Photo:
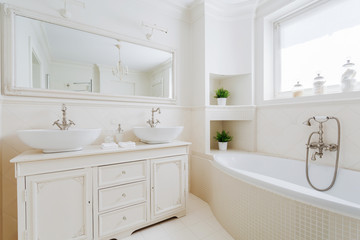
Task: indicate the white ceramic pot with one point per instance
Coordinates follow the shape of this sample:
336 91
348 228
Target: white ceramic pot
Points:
223 146
221 101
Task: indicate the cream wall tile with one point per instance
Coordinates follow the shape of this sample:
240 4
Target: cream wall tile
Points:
280 131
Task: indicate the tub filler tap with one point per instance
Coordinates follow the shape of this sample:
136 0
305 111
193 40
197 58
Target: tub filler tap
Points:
65 124
152 121
320 147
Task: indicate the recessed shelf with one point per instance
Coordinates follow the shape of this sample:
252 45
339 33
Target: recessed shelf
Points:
239 87
241 131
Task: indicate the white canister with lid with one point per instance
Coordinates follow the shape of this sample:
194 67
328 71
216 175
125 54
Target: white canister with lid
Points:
298 89
319 82
348 77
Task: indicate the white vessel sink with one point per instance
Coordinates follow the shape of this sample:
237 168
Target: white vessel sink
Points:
157 134
51 141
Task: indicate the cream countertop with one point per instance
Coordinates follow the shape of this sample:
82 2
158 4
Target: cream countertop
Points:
37 154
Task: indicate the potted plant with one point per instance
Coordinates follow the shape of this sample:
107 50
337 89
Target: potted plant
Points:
221 94
223 138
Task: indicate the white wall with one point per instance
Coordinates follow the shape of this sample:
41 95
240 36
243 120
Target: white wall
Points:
109 84
29 38
142 86
64 75
160 79
228 45
198 57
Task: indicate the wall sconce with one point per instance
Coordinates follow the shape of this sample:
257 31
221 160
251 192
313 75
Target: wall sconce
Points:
153 27
66 12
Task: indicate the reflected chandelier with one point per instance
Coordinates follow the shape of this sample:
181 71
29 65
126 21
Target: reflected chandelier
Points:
120 70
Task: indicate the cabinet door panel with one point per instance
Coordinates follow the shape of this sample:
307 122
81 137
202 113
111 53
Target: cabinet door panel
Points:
59 205
167 185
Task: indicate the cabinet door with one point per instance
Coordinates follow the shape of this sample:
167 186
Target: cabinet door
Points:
59 205
167 185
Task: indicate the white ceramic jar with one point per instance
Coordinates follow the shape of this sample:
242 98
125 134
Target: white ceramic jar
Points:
319 82
348 77
298 90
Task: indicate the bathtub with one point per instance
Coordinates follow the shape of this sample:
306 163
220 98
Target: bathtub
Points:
287 177
261 197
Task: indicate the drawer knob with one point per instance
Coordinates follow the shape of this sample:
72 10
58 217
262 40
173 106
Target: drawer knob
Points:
124 218
123 172
124 195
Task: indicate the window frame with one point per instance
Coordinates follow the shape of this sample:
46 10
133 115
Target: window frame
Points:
276 39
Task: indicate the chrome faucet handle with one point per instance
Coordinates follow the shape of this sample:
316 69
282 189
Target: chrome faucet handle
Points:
57 123
332 147
156 123
149 122
68 124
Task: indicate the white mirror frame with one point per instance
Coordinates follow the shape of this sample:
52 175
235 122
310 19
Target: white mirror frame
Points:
8 14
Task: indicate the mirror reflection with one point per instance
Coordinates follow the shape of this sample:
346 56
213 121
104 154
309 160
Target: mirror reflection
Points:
49 56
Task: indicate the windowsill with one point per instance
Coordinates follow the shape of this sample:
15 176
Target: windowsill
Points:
329 96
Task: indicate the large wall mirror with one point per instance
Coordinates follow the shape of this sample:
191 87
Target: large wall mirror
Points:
55 58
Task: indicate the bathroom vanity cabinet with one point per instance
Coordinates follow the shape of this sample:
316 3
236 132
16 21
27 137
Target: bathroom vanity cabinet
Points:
99 194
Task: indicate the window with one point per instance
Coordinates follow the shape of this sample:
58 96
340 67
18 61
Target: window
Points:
318 38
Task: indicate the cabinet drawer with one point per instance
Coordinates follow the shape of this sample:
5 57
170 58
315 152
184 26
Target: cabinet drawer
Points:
123 195
116 221
122 173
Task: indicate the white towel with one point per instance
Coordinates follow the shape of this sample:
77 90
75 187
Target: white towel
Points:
109 145
128 144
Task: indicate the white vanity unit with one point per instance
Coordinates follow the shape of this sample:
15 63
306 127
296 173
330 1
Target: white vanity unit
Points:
99 194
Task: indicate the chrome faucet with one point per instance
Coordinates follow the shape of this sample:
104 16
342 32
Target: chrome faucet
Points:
66 124
152 121
320 147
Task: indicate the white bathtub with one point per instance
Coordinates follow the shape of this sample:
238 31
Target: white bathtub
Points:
287 178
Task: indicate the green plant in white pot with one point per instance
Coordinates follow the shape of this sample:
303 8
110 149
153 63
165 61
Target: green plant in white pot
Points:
221 95
223 138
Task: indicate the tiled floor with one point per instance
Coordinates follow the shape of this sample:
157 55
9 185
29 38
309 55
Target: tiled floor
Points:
199 223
